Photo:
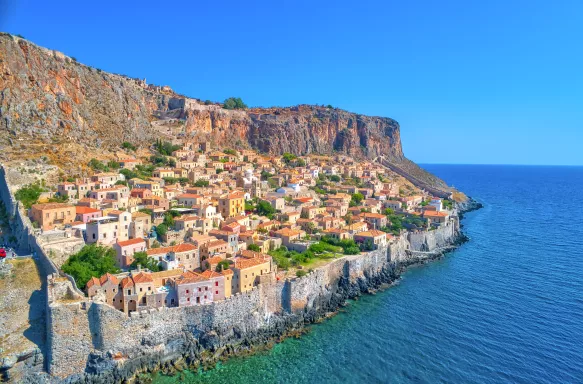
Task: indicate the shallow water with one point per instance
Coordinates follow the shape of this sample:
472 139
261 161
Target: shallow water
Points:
505 307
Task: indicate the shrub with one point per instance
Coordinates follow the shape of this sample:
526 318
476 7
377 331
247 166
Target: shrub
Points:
234 103
301 273
113 164
265 208
201 183
128 145
162 229
165 148
254 247
282 262
223 265
29 194
357 198
142 259
97 165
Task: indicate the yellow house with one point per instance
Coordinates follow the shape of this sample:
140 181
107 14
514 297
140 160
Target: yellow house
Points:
232 204
50 215
153 186
163 173
247 269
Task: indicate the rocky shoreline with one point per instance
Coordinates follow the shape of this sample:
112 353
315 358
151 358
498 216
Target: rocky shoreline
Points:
204 350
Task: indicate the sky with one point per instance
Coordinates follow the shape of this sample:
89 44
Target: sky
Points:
470 82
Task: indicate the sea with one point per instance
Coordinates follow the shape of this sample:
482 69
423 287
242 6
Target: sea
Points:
506 307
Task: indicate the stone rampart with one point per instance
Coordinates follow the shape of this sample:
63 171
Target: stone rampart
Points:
90 341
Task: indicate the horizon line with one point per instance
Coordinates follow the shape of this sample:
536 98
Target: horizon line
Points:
501 164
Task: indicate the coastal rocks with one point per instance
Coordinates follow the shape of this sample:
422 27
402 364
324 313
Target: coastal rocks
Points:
467 206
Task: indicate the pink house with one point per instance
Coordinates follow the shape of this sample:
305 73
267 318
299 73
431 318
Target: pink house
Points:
125 251
85 214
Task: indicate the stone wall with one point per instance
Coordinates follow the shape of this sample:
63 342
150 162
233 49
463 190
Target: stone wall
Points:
94 338
28 239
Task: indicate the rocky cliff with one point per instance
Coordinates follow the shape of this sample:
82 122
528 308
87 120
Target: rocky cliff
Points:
50 103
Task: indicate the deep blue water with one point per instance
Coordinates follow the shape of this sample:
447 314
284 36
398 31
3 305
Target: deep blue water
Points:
507 307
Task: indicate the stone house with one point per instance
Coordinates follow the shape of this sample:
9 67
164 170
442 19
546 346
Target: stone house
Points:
232 204
157 201
67 189
106 178
84 214
436 217
220 283
141 225
337 233
125 250
375 220
163 173
277 203
247 269
51 215
108 230
375 237
190 199
141 193
395 205
310 212
288 236
109 285
193 289
213 248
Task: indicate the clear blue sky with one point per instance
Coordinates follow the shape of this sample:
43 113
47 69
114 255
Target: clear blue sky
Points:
469 81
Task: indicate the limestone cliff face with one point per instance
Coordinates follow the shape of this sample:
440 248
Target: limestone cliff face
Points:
48 99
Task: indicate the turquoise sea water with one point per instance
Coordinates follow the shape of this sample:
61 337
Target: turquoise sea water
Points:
507 307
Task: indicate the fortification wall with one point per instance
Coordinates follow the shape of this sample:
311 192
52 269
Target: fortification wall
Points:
93 337
429 241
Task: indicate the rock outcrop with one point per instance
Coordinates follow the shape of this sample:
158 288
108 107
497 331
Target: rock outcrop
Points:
50 103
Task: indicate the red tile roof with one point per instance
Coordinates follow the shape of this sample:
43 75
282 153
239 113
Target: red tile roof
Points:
84 210
130 242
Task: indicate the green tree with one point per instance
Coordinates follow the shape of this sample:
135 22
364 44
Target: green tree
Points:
356 199
91 261
162 229
113 164
121 182
264 208
29 195
128 145
165 148
288 157
301 273
234 103
143 260
223 265
201 183
335 178
97 165
254 247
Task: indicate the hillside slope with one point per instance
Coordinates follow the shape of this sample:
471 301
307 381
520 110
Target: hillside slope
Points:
52 105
